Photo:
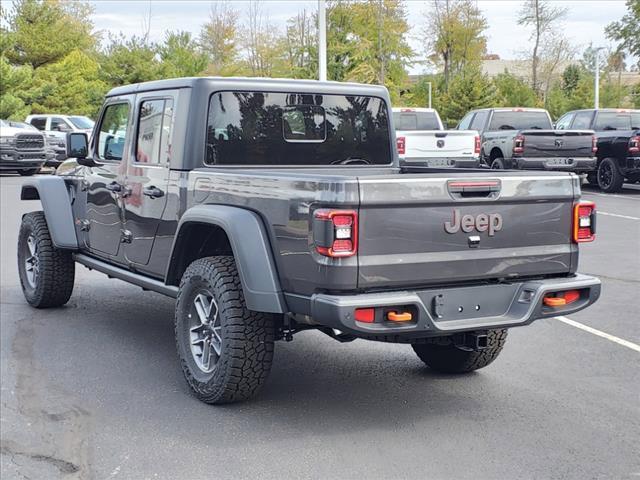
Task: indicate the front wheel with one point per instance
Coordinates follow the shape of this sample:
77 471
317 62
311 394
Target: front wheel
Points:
46 272
225 349
444 356
610 179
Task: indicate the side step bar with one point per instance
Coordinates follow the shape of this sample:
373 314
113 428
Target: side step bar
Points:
111 271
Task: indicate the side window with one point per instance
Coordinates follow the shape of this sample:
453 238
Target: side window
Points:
479 120
39 123
153 144
564 122
113 130
466 121
59 125
582 120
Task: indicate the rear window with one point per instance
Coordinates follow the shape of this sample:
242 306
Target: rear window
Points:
617 121
520 120
415 121
265 128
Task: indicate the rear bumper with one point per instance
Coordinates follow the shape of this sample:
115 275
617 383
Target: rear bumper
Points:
440 162
565 164
445 311
630 166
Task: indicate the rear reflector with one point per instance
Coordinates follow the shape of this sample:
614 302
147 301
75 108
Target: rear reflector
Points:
584 222
365 315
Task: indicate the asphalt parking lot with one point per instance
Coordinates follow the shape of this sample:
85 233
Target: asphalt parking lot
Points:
94 390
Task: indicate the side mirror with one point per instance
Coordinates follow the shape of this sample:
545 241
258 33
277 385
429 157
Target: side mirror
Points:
78 148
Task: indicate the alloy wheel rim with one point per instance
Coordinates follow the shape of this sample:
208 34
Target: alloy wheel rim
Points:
605 174
31 263
205 331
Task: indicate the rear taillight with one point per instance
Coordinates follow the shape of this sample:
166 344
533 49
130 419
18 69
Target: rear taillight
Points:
476 147
400 144
584 222
594 144
634 145
518 145
335 232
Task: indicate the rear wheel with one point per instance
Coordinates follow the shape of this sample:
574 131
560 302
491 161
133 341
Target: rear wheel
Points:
446 357
225 349
46 273
28 172
498 164
610 179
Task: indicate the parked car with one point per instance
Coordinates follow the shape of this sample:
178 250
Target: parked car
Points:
524 138
421 139
21 150
618 133
298 217
56 146
60 125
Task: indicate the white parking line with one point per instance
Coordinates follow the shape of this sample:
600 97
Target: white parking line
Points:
600 212
612 338
608 195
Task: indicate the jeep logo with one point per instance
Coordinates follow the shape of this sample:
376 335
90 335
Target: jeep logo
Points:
482 223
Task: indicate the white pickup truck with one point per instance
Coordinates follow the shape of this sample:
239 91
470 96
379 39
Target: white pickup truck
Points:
422 140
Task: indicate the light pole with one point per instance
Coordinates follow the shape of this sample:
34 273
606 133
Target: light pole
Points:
596 86
429 83
322 40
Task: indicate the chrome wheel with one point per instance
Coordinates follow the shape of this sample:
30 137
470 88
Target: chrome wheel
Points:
31 265
205 332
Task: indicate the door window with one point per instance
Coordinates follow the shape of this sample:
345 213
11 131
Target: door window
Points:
39 123
479 120
113 130
59 125
582 120
564 122
153 144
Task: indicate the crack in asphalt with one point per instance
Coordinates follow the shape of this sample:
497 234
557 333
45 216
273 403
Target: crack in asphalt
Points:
12 450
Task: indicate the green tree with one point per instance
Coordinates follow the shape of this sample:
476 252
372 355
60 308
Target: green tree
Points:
635 95
43 32
511 91
570 78
131 60
627 31
556 101
302 45
454 35
220 39
181 56
13 81
471 89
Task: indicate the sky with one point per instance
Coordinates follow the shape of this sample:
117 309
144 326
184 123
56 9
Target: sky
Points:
584 24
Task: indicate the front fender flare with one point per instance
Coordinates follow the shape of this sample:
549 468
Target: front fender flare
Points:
54 196
251 249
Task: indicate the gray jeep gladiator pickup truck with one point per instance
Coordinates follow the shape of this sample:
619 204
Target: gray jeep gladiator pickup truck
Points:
618 134
524 138
269 207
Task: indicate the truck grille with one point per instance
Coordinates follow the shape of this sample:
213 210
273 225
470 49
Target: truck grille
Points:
29 141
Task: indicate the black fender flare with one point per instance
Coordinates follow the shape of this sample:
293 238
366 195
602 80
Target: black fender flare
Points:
53 194
251 248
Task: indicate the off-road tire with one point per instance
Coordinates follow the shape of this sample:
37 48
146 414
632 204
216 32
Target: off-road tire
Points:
610 178
28 172
56 268
247 336
445 357
498 164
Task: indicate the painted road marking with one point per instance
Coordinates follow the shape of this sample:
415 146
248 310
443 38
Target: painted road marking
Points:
626 197
612 338
600 212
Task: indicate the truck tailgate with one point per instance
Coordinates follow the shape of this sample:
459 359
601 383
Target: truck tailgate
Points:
432 229
422 144
558 143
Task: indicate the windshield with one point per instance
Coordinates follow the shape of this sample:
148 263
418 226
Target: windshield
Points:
84 123
416 121
520 120
617 120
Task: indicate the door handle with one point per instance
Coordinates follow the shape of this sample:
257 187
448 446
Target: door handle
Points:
114 187
153 192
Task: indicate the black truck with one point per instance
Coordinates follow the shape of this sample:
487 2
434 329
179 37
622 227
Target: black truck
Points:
268 207
618 133
524 138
